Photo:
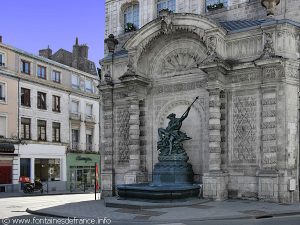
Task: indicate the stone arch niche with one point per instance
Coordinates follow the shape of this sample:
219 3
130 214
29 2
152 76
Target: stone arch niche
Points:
169 56
194 125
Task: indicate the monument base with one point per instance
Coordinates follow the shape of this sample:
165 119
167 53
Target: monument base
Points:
171 180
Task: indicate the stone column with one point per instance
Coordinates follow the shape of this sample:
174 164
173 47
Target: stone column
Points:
134 135
107 167
32 171
214 130
134 173
215 181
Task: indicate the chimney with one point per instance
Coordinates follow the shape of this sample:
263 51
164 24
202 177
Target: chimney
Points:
47 53
0 39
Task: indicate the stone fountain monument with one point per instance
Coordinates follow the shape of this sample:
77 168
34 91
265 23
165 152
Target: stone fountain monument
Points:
173 175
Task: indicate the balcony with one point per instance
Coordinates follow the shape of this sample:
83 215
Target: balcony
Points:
75 116
89 147
89 118
2 64
2 98
75 145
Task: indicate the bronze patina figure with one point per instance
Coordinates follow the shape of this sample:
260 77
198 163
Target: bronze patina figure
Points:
171 137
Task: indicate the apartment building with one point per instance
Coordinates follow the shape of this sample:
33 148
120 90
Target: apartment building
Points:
45 115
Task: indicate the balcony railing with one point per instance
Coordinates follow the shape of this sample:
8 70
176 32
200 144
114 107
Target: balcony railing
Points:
75 116
2 98
89 147
2 64
75 146
89 118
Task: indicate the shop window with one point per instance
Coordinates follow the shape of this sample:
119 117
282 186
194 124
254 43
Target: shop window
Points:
55 103
41 100
131 18
25 128
6 171
166 4
47 169
56 132
41 125
25 97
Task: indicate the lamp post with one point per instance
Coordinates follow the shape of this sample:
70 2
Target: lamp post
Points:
111 43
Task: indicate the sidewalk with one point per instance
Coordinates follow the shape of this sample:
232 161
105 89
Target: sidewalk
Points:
38 193
207 210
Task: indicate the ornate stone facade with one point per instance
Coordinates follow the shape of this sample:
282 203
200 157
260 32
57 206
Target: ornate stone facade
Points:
244 127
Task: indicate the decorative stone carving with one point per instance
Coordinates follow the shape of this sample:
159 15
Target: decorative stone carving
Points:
181 60
268 51
166 21
244 115
212 55
270 6
123 135
167 89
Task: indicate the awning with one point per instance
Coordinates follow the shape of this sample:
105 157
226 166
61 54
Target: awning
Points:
7 148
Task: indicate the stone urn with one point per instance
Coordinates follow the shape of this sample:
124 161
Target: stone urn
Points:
270 6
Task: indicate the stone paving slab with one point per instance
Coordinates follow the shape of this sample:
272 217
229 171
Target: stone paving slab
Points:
233 209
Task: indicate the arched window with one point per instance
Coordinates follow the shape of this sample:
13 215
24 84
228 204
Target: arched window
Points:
166 4
216 4
131 18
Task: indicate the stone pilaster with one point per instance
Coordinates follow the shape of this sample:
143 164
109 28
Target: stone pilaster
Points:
215 182
107 167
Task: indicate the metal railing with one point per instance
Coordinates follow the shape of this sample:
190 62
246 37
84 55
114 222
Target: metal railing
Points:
89 147
75 145
75 116
2 64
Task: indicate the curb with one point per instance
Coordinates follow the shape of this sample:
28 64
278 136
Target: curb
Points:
44 194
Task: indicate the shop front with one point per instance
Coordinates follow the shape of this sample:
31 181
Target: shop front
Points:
81 171
8 182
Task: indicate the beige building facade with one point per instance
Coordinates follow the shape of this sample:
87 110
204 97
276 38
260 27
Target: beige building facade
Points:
243 66
36 103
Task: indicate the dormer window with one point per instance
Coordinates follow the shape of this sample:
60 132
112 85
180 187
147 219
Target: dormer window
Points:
166 4
212 5
131 18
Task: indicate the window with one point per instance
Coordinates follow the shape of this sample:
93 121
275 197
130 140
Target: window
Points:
56 76
75 81
75 107
41 100
25 97
166 4
89 140
56 132
75 139
25 128
2 92
89 109
215 4
2 59
41 72
25 67
56 103
41 130
2 126
88 86
131 18
47 169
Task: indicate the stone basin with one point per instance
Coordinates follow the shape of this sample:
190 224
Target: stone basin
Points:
150 191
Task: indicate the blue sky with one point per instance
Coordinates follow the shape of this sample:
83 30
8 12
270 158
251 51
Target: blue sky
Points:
34 24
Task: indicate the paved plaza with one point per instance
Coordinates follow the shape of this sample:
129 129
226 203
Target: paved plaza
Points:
206 212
